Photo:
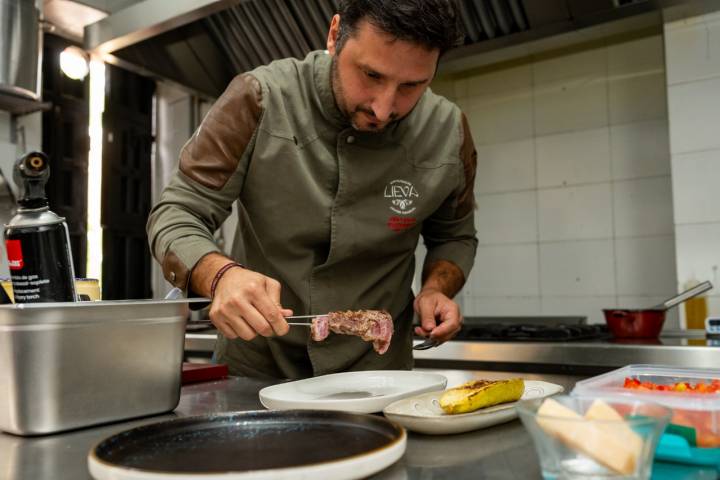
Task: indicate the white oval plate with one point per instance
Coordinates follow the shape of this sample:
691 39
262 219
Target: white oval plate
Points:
359 392
422 413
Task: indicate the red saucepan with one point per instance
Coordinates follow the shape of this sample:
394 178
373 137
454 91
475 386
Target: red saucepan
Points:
647 322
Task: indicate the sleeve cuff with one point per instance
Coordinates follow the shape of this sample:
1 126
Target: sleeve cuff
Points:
181 257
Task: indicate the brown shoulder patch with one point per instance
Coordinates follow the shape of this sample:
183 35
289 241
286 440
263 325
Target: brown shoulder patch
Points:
468 154
175 271
212 155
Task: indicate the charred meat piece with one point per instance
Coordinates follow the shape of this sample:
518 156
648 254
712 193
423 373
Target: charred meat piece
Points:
371 325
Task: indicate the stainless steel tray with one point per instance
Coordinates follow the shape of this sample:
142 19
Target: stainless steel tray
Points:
71 365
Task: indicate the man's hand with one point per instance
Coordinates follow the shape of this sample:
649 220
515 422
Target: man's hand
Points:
440 317
246 303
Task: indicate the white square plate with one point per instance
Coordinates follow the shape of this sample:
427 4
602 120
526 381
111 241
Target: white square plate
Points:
360 392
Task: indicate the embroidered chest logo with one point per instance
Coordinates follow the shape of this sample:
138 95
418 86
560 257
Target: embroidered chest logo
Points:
402 195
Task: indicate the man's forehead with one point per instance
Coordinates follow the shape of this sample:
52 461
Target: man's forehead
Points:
365 28
377 50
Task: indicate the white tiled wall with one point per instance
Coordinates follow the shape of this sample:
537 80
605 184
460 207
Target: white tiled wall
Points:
693 89
573 185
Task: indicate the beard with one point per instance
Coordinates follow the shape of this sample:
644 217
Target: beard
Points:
357 111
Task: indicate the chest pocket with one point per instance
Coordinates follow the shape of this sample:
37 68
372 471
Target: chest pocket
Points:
384 197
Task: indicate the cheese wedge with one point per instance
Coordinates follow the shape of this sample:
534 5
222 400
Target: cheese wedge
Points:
613 445
477 394
619 429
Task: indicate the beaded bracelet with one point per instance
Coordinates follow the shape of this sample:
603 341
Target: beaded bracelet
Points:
219 275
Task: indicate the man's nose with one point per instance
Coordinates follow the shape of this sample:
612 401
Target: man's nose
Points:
384 105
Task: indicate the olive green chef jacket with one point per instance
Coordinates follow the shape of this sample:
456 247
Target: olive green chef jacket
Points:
332 213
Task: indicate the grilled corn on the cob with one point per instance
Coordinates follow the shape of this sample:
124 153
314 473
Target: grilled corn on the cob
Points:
477 394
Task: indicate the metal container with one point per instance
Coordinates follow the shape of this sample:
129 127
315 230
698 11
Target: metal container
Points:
21 42
71 365
36 240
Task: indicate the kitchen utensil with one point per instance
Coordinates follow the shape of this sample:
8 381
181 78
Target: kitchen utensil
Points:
75 364
648 322
422 413
271 445
428 343
681 297
362 392
576 447
635 323
292 324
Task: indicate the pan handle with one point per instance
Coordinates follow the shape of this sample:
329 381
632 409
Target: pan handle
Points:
687 294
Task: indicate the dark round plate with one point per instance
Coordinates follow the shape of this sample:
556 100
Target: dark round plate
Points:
252 444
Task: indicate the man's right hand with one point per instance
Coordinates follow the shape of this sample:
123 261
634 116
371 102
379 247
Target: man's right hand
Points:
246 303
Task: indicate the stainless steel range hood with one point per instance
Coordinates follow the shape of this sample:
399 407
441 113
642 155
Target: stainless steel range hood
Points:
20 47
203 43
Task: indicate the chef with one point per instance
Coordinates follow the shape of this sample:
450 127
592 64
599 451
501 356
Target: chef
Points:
339 163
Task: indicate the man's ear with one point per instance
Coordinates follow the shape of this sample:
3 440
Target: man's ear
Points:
333 34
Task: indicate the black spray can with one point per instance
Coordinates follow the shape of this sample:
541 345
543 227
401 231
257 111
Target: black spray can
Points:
37 240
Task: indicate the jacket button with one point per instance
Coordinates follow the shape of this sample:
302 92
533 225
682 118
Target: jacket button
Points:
172 276
350 139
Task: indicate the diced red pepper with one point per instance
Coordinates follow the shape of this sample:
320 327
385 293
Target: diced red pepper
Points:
712 386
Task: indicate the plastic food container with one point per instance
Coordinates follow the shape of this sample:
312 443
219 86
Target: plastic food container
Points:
71 365
594 446
693 435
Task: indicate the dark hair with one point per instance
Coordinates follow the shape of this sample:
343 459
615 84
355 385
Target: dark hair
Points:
431 23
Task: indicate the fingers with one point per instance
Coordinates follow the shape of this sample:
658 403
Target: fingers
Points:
450 325
247 304
273 288
230 325
440 317
271 308
425 307
420 332
268 307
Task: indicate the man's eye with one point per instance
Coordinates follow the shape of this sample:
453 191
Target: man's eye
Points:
372 75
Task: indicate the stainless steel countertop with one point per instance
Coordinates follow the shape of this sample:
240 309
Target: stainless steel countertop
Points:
689 349
601 354
501 452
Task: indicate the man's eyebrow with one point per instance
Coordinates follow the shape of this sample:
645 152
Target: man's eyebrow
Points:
368 68
414 83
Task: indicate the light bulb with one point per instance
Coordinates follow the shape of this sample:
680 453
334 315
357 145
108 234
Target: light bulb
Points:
74 63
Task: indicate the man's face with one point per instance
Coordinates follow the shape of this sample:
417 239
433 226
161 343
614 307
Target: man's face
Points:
378 79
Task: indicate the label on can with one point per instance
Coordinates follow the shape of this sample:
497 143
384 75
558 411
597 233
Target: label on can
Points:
14 254
40 263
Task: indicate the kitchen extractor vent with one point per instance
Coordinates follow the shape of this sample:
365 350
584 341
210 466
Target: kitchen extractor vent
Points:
206 53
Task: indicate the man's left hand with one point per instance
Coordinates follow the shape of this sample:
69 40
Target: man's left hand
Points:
440 317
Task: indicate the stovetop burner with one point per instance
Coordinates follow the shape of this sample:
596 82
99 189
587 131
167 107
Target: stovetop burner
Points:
531 332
